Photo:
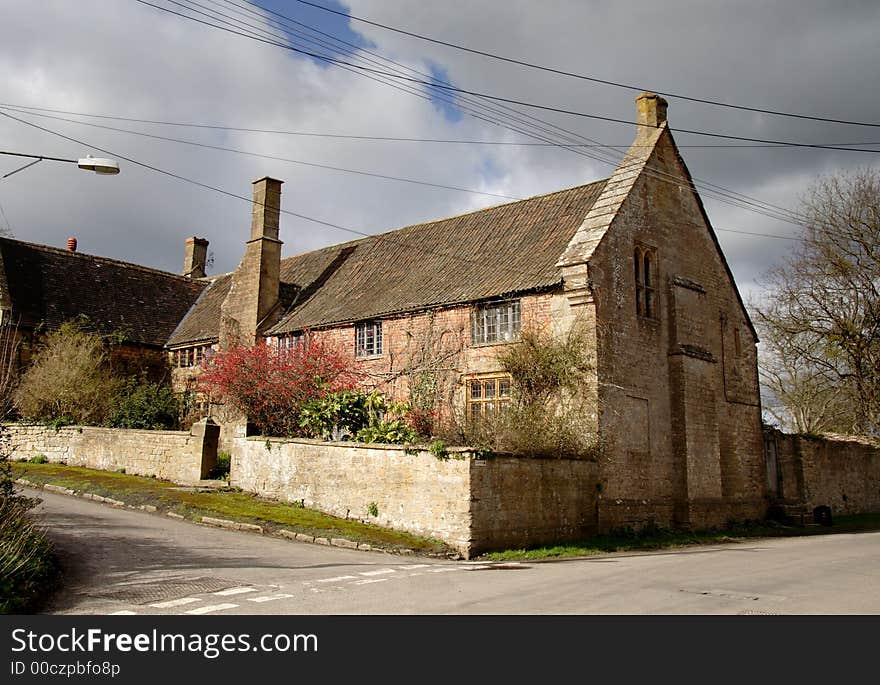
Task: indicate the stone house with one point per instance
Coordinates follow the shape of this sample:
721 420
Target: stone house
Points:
675 388
42 287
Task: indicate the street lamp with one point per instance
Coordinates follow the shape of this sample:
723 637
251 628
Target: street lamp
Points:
99 165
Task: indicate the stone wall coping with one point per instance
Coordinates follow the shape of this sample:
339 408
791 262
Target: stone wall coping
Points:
356 445
144 431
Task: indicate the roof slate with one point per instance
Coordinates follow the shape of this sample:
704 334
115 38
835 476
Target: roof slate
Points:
502 250
49 286
494 252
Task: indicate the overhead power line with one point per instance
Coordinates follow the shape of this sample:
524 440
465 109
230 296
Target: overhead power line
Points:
295 214
328 167
584 77
404 139
496 98
709 189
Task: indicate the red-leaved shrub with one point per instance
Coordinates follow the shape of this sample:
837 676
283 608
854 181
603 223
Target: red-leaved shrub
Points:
270 386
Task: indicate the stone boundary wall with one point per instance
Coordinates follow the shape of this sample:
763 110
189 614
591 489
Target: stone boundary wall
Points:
179 456
839 471
471 503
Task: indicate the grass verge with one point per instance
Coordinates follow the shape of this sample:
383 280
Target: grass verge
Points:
193 504
666 539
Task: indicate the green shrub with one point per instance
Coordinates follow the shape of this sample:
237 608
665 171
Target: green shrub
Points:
360 416
39 459
221 470
27 564
151 406
69 379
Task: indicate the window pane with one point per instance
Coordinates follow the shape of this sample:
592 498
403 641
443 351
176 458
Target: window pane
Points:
504 388
647 269
637 259
649 303
476 389
475 412
489 388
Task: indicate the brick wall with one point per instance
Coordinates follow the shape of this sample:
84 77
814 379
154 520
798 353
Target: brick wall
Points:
182 457
472 504
842 472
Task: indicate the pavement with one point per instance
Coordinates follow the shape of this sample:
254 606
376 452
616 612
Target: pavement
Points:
119 561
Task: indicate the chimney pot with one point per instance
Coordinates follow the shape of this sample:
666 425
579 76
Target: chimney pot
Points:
71 244
195 257
650 110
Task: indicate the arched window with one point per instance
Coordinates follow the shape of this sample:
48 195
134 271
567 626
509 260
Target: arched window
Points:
645 261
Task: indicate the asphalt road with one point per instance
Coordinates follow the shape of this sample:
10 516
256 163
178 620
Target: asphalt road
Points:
123 561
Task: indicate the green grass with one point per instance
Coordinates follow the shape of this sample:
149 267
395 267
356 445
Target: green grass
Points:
666 539
228 504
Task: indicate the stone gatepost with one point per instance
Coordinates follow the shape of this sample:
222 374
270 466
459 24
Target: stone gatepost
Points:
207 434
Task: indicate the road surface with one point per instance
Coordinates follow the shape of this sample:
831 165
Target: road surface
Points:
119 561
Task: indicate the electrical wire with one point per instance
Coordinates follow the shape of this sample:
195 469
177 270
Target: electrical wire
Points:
288 212
561 72
404 139
497 98
712 190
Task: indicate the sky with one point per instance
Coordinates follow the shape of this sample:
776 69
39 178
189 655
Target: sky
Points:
123 58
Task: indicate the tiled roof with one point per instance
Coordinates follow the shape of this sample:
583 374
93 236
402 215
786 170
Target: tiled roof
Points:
49 286
511 248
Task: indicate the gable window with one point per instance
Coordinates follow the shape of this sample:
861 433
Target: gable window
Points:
192 356
496 322
368 339
645 263
487 396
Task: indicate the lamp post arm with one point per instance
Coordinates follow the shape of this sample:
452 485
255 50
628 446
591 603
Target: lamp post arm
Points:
38 157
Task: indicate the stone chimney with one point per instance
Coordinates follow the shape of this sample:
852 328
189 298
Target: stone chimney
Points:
650 111
252 302
71 244
195 257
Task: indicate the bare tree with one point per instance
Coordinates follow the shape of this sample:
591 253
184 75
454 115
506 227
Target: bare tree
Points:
820 321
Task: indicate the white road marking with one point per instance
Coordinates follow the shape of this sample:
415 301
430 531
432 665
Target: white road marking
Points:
124 613
235 591
380 572
444 569
269 598
334 580
415 574
175 602
371 580
211 609
411 566
475 568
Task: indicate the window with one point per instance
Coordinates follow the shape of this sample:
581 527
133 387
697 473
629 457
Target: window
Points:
291 341
487 396
192 356
496 322
368 339
645 262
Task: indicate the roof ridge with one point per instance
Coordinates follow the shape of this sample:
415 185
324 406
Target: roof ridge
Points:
447 218
110 260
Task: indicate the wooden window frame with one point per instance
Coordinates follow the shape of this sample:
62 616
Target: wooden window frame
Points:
484 403
497 322
365 332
